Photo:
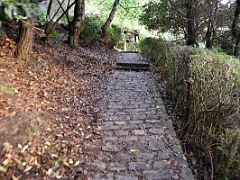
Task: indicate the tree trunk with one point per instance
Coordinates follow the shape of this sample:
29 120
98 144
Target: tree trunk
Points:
190 24
209 36
110 17
49 25
213 9
236 48
24 46
77 23
235 29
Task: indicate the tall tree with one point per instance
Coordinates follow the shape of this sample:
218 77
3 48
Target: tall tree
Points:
110 17
235 28
77 23
212 12
190 22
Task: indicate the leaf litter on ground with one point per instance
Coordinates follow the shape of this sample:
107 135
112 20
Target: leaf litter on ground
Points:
54 103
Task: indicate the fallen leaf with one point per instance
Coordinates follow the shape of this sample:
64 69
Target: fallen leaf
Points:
15 178
7 146
134 150
3 169
77 163
6 162
28 169
24 149
70 161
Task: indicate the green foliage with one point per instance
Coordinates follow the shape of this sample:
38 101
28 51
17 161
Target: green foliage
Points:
54 34
90 32
159 16
205 86
41 18
126 16
114 33
225 42
112 38
17 9
229 154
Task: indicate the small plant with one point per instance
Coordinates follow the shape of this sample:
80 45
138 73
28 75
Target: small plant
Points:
230 156
41 18
54 34
114 33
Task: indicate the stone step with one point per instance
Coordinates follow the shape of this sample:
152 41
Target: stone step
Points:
132 66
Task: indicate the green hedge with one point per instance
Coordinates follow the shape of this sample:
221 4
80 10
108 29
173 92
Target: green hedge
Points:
205 86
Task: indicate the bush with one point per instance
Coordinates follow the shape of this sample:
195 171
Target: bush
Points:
113 37
91 31
205 86
41 19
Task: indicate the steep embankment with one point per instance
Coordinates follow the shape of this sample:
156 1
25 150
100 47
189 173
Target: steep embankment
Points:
47 109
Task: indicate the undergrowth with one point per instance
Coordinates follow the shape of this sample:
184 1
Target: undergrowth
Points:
90 32
205 86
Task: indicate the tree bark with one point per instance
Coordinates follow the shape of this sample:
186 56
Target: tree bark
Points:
213 8
190 24
110 17
209 36
77 23
49 23
26 36
235 29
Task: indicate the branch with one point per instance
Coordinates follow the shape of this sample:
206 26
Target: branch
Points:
60 17
58 10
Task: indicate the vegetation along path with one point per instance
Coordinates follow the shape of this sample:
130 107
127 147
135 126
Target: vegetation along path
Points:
139 141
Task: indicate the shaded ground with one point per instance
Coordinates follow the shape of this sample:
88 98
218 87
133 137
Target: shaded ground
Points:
47 113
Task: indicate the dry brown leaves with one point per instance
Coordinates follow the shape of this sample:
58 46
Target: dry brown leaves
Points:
57 91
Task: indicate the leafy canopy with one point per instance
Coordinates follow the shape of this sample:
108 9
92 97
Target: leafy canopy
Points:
17 9
160 16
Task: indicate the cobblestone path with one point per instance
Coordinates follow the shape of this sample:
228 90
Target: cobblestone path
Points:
139 141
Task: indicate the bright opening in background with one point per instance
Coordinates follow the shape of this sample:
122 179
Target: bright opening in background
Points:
226 1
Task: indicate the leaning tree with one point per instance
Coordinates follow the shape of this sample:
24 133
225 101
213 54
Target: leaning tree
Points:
110 17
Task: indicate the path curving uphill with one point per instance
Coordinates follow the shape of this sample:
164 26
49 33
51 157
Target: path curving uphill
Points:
138 139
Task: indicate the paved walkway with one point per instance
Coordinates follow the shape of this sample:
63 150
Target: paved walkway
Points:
139 141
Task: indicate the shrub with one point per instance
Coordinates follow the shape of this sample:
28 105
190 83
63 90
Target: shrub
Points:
113 37
90 32
114 33
41 18
205 87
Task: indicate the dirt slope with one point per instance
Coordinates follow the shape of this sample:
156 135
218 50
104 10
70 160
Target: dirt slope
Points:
47 112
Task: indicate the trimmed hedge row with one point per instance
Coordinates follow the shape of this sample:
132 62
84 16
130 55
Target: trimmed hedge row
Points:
205 86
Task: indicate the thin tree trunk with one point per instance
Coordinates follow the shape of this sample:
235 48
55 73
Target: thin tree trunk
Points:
77 23
26 36
236 47
209 34
213 5
235 29
110 17
190 25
